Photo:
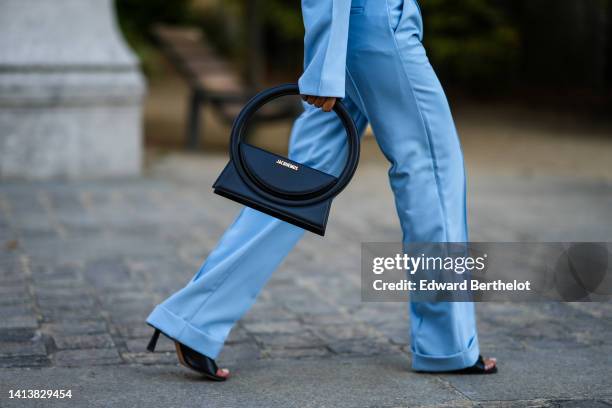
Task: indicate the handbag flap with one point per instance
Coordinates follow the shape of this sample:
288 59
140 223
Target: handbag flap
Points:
283 175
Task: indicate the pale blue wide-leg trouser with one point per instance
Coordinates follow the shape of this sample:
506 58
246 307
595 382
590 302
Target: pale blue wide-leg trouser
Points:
391 85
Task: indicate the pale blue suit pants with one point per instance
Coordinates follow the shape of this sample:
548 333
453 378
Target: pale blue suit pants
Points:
390 85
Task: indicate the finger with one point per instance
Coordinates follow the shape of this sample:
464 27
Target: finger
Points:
319 102
311 99
329 104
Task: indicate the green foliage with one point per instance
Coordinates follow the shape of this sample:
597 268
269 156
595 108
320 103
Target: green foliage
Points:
136 19
471 42
285 17
282 34
284 37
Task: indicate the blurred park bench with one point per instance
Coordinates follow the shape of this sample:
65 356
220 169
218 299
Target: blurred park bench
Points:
212 81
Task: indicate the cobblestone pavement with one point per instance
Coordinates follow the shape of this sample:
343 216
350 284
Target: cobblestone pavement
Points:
82 264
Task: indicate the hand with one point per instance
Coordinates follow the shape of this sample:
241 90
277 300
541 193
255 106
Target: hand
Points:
324 102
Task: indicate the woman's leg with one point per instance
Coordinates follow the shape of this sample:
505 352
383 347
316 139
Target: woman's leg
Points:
202 314
405 103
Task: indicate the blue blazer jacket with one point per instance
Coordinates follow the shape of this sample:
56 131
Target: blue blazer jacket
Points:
326 23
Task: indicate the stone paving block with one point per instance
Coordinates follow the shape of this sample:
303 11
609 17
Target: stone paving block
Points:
75 328
67 303
36 232
131 310
18 335
121 296
13 281
68 315
289 326
338 383
302 340
83 341
24 361
140 345
133 330
86 357
317 319
379 313
239 353
18 322
61 271
57 284
552 333
15 299
310 306
543 403
119 316
539 403
70 289
266 312
81 227
11 273
15 288
63 201
597 310
107 273
32 347
363 347
314 352
548 374
492 338
22 309
584 403
238 335
345 332
397 333
146 358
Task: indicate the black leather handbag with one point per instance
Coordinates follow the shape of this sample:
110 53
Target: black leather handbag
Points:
276 185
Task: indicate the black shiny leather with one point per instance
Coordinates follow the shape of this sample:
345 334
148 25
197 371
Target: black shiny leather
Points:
191 358
477 368
280 187
200 363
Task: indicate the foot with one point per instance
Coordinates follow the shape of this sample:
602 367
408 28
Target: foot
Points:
200 363
193 360
490 363
223 373
482 366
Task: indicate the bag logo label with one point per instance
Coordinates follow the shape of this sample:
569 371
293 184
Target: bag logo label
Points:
288 165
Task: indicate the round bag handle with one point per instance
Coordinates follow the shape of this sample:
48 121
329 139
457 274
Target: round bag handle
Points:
296 199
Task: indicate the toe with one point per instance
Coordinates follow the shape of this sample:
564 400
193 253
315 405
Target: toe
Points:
223 372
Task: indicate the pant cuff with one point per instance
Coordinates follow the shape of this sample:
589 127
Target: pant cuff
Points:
466 358
182 331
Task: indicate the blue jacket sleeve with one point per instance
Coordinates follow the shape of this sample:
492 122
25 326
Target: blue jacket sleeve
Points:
325 42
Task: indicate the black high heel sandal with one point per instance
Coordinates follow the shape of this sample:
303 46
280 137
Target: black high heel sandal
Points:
478 368
190 358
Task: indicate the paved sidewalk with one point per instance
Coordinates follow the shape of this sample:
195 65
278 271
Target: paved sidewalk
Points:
82 264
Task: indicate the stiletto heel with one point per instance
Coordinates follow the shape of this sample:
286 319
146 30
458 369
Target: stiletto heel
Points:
153 341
